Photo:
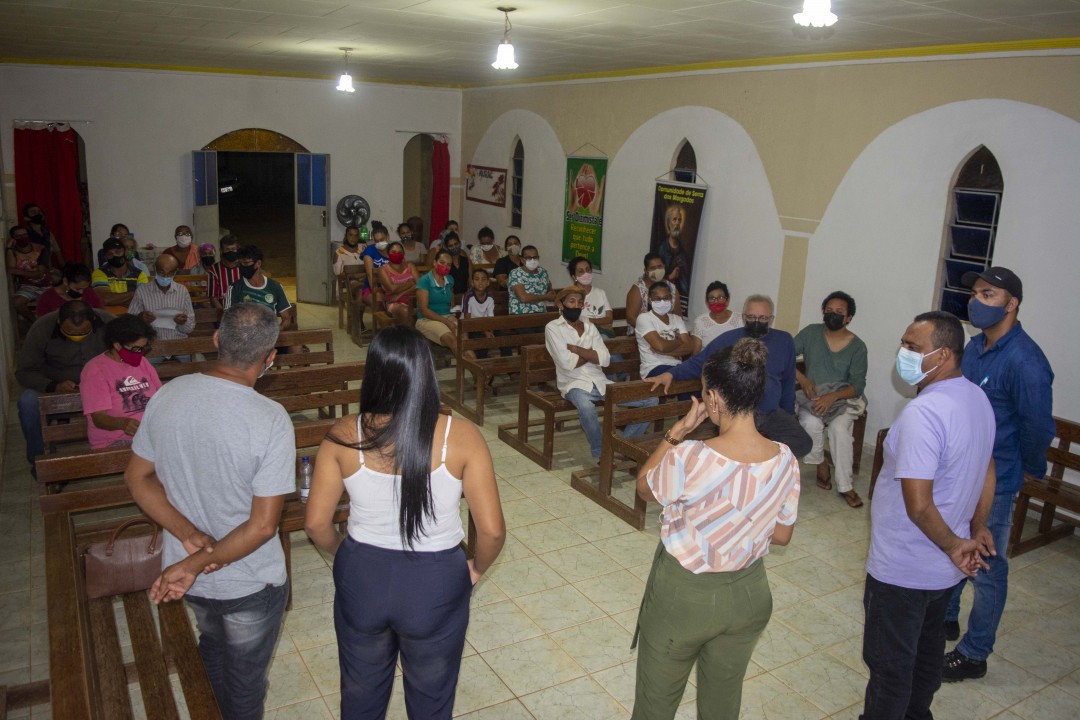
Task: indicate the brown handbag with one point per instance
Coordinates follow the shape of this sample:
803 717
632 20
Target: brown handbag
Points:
123 565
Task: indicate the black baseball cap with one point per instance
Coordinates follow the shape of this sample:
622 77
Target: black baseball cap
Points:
111 244
999 277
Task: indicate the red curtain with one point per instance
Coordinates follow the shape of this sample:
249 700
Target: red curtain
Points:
440 188
47 173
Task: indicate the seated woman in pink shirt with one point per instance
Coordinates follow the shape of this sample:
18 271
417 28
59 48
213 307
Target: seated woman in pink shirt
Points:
117 384
74 284
724 501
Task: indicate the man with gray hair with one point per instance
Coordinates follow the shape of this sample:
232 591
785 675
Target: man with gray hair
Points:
219 496
776 413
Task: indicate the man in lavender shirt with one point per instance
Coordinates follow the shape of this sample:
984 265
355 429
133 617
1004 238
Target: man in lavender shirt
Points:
929 515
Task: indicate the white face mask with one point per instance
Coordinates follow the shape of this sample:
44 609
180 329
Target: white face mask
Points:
183 240
656 275
532 264
381 245
584 278
661 307
487 248
514 250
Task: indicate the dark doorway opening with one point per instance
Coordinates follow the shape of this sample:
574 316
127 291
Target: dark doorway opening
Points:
256 202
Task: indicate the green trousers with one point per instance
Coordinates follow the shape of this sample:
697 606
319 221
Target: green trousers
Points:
714 619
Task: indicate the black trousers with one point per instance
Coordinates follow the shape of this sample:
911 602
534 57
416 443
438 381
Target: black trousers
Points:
784 427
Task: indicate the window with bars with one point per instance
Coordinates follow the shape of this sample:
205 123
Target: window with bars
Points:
517 184
970 228
685 168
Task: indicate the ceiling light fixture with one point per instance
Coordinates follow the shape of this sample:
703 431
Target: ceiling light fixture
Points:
345 81
504 60
816 13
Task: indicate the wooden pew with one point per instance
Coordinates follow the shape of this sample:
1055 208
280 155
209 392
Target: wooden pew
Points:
206 321
596 483
204 345
1053 492
537 391
507 330
87 675
323 388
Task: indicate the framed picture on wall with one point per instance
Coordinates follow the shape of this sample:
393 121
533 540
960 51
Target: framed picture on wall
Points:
485 185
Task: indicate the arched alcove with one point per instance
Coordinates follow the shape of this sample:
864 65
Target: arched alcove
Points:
684 167
517 186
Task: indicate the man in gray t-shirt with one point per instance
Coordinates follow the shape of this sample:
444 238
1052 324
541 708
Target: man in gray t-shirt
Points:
216 482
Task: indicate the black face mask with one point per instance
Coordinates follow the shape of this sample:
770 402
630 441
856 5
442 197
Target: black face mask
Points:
833 321
572 315
231 256
756 330
117 261
74 294
248 271
207 261
38 219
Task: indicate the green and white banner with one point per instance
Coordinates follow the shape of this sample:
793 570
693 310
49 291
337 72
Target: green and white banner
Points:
583 222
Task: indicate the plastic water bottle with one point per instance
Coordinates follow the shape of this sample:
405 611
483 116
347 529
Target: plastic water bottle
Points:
306 471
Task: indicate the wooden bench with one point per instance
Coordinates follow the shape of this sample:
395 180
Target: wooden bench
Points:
1053 492
323 388
597 483
538 391
507 333
204 345
88 677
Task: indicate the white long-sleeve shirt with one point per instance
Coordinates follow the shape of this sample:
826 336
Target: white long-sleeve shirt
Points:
176 299
557 335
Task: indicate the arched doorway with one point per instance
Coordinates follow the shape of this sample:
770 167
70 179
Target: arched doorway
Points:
416 180
268 189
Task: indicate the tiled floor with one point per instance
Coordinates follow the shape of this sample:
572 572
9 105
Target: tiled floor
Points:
551 623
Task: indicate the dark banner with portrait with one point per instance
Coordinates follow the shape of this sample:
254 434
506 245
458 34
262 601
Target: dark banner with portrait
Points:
676 218
583 221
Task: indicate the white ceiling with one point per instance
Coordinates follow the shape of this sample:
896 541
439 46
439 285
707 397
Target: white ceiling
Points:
454 41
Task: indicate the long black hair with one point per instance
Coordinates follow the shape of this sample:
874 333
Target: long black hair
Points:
400 382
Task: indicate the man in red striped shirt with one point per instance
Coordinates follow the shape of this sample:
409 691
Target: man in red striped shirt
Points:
225 272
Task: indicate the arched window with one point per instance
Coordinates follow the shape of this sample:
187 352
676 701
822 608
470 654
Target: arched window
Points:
517 184
685 167
970 228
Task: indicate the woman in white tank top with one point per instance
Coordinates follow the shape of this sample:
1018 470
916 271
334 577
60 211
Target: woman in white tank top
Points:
402 582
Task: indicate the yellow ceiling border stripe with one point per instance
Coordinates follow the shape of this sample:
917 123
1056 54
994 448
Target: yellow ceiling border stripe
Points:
1012 46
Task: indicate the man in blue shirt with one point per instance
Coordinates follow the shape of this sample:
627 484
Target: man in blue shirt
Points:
776 413
1013 372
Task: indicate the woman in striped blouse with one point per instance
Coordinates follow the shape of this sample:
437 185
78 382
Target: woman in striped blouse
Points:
725 500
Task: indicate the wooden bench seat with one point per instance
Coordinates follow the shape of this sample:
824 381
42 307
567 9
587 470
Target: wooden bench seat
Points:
323 388
618 452
538 391
321 342
1054 493
508 332
88 678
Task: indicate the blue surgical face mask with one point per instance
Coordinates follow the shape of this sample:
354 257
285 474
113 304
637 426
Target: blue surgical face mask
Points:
163 281
982 315
909 365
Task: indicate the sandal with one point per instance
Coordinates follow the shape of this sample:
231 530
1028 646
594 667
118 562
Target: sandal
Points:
852 499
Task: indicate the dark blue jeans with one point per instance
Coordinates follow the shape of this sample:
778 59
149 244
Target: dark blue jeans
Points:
903 644
391 601
236 642
30 419
991 587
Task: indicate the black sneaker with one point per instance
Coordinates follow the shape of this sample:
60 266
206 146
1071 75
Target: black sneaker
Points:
952 630
958 666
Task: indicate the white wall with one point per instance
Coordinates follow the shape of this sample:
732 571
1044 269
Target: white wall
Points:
542 203
739 211
144 125
880 238
739 239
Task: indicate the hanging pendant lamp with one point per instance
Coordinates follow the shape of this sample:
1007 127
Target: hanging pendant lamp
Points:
345 81
504 59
